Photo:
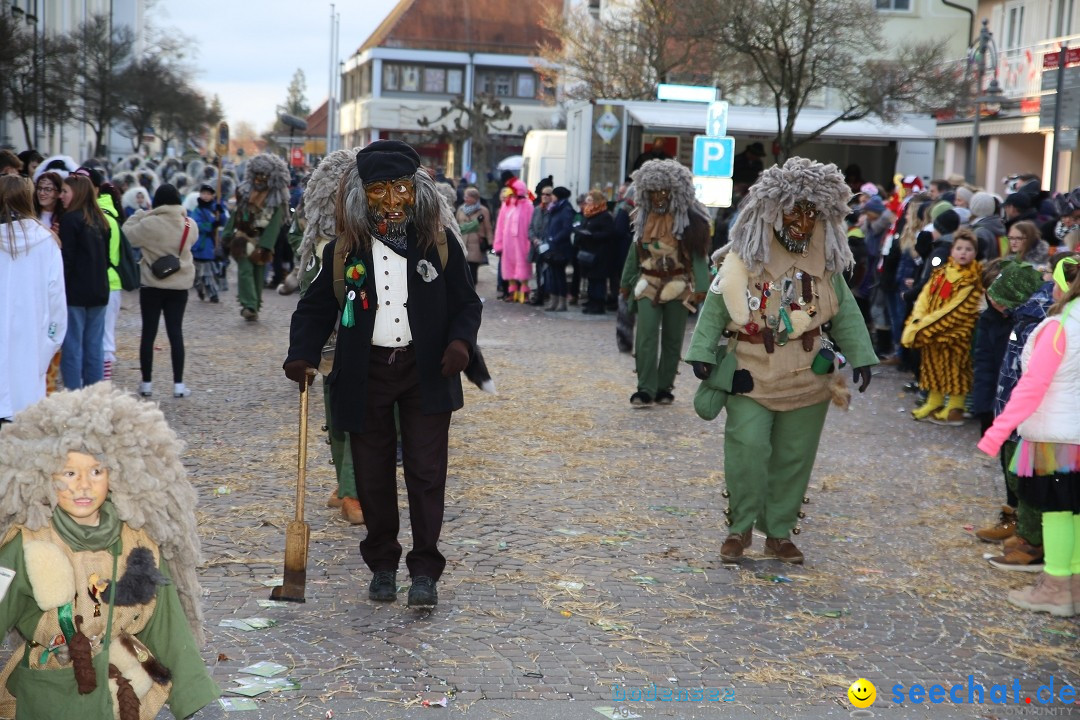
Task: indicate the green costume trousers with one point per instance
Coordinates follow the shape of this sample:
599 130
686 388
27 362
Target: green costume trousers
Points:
340 451
768 457
659 326
1028 519
250 279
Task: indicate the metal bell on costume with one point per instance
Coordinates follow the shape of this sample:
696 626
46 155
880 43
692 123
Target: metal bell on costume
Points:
796 530
725 494
802 515
806 501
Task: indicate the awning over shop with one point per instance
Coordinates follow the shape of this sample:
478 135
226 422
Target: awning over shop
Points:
996 126
762 121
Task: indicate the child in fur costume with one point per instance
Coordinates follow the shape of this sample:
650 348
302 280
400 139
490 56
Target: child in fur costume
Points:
941 325
109 614
781 281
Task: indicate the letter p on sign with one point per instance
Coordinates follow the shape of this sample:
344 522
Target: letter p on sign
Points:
714 156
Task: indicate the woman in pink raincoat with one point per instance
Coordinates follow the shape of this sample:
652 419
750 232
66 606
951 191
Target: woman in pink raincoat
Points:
512 241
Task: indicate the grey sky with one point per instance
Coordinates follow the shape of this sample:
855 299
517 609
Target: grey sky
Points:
247 51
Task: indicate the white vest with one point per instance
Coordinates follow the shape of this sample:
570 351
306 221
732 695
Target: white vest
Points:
1057 419
391 275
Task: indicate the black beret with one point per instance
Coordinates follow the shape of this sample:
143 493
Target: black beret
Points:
386 160
166 194
947 222
561 193
1020 201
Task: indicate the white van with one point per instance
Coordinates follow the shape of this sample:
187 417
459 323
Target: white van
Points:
544 154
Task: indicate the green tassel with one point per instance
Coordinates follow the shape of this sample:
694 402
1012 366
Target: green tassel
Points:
786 320
348 317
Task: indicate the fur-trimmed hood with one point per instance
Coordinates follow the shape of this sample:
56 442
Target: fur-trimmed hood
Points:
320 201
147 483
761 212
277 174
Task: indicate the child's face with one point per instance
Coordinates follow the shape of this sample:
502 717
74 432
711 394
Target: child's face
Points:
82 486
963 253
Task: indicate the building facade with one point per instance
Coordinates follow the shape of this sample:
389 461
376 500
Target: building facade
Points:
1026 35
426 54
50 18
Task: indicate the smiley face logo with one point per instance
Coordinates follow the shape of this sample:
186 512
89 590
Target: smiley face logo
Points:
862 693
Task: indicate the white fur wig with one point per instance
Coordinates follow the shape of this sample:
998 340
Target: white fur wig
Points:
666 175
761 213
147 483
277 178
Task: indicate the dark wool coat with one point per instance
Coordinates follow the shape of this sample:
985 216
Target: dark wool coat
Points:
991 338
85 250
440 311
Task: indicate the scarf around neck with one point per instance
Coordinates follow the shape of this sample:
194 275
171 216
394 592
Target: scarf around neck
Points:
88 537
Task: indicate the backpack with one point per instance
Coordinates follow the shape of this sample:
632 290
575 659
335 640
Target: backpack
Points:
128 267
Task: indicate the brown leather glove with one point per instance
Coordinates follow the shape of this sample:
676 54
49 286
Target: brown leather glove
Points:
299 371
455 359
262 256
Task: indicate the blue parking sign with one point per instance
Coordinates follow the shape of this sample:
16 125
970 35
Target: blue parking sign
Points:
714 156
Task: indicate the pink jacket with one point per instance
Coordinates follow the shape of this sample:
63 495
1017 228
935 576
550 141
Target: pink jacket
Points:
512 235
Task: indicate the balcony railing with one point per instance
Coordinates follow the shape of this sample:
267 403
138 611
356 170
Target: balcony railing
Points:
1020 69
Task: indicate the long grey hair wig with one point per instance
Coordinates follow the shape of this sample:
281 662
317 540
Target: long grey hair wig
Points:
668 175
761 213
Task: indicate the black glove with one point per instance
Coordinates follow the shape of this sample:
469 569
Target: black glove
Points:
299 371
862 373
741 382
702 370
455 359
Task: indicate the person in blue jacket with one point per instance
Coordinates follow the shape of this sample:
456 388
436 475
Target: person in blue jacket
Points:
209 216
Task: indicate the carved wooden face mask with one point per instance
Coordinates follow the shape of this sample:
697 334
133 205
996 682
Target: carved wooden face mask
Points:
390 202
798 227
660 200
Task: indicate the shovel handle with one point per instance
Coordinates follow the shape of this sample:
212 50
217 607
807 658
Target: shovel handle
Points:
301 450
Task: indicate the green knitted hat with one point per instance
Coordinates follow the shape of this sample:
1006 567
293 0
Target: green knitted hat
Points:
1017 282
939 208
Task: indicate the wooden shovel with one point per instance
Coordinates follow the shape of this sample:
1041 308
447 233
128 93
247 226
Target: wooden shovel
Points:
297 534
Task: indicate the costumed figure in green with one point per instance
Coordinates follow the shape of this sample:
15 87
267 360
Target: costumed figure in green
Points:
316 217
97 563
262 205
665 274
781 307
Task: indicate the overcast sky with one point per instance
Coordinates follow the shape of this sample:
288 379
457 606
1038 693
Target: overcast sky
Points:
247 52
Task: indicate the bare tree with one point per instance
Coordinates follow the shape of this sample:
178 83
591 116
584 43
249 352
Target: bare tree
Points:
474 123
17 72
632 46
102 53
801 49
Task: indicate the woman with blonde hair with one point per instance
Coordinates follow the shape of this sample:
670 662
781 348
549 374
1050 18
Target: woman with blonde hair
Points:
34 320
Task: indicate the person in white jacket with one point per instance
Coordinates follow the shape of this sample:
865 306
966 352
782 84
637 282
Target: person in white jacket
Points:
34 317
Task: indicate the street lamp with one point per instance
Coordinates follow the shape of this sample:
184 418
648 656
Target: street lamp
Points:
993 94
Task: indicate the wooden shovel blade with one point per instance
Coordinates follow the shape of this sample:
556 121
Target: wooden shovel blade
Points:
297 535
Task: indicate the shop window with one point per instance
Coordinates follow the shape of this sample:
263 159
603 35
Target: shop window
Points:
893 5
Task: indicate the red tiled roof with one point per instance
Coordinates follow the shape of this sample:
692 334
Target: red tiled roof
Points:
490 26
316 121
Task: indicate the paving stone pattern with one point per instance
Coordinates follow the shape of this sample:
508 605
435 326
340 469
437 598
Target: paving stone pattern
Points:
582 537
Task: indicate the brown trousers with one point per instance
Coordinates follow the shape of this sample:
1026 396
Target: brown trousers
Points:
393 379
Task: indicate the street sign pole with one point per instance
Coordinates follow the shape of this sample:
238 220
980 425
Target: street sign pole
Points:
714 159
1057 117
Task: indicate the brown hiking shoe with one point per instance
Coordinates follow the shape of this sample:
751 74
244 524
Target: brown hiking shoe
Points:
783 550
1049 594
334 501
1014 542
1020 558
350 510
1005 528
1076 593
734 545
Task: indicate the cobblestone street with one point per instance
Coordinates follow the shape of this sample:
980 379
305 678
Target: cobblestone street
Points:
582 540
